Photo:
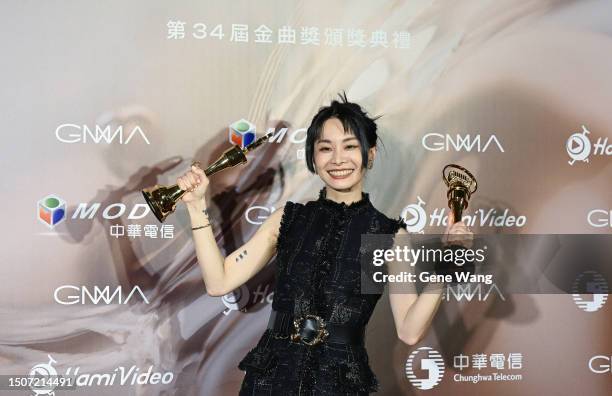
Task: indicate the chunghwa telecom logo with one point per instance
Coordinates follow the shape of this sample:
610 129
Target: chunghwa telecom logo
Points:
596 288
432 363
51 210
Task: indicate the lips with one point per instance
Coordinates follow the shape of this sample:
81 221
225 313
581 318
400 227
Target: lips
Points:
340 173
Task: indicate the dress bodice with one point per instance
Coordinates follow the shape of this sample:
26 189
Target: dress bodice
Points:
319 258
318 271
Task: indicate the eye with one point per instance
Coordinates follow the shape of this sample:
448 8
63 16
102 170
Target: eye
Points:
351 146
324 149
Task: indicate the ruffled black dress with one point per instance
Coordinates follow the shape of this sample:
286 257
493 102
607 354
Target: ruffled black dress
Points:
318 272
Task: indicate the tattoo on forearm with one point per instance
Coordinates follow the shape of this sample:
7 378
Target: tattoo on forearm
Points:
241 255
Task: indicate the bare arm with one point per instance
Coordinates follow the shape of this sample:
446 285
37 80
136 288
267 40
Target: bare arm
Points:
412 313
222 275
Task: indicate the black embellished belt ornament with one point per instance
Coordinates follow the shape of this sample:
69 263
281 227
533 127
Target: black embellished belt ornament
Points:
309 330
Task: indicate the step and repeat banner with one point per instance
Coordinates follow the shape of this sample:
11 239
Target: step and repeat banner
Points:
103 99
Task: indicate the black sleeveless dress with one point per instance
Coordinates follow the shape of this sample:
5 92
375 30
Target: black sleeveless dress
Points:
318 272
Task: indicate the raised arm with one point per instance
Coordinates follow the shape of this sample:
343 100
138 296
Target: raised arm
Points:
412 312
222 275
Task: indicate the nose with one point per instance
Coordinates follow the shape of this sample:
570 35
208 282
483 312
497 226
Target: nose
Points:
338 157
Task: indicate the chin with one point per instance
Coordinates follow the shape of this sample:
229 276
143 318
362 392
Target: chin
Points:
342 184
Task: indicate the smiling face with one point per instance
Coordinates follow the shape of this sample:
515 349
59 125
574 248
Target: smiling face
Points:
337 157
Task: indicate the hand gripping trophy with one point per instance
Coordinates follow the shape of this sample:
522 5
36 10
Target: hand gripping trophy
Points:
162 200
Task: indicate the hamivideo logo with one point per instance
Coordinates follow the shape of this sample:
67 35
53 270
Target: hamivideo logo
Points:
48 374
578 146
72 377
432 362
51 210
416 217
596 289
236 300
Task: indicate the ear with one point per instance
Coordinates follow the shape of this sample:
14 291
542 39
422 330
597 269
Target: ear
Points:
372 153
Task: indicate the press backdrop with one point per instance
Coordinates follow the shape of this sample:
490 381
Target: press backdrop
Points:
102 99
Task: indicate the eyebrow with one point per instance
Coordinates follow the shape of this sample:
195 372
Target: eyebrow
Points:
343 140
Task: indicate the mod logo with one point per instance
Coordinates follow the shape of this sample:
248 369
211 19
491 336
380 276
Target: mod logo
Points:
51 210
430 361
242 133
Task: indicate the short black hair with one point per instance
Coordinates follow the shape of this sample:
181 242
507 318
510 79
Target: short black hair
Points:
354 119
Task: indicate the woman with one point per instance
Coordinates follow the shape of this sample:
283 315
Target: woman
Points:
314 343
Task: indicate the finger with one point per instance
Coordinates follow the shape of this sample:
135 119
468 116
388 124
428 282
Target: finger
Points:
192 178
451 217
197 177
457 234
197 170
461 225
450 220
457 229
186 183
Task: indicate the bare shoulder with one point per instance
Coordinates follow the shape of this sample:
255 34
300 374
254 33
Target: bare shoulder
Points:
277 215
271 226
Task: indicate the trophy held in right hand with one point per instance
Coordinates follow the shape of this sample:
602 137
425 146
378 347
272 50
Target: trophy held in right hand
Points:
162 200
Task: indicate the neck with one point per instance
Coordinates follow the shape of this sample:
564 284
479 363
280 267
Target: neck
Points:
348 196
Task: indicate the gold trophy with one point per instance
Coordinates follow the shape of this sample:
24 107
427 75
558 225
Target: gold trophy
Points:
162 200
461 185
